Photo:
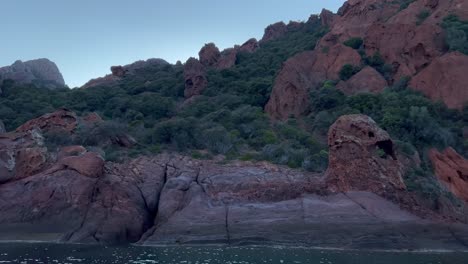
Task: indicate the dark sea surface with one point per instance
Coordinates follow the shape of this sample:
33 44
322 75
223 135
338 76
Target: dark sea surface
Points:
25 253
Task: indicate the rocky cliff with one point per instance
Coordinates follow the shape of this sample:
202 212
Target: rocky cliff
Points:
407 36
71 195
41 71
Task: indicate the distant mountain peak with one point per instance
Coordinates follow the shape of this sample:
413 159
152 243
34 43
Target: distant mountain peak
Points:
40 70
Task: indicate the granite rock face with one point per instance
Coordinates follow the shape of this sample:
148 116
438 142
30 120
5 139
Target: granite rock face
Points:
41 71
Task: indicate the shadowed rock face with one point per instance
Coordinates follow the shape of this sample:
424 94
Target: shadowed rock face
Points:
368 80
195 78
452 170
74 196
40 70
303 72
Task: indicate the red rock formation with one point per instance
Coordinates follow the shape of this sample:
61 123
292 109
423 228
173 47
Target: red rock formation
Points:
362 157
227 59
88 164
209 55
195 78
250 46
367 80
62 119
452 170
118 71
327 18
274 31
445 79
404 42
303 72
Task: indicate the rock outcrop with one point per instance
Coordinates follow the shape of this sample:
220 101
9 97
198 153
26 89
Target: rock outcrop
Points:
410 46
274 31
118 72
452 170
74 196
445 79
362 157
195 78
40 71
367 80
209 55
303 72
62 119
327 18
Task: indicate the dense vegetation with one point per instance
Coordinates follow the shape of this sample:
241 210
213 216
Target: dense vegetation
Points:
457 33
229 119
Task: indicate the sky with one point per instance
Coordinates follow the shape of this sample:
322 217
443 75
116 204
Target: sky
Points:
85 37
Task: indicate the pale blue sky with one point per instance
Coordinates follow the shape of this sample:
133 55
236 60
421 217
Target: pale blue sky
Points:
86 37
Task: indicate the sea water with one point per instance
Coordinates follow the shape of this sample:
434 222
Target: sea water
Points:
23 253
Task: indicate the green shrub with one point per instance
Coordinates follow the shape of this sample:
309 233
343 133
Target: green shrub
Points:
347 71
456 32
405 3
422 15
354 43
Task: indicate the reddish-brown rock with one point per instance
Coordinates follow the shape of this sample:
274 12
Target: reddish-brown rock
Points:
92 118
70 151
303 72
118 71
367 80
274 31
327 18
88 164
445 79
362 157
452 170
249 46
62 120
227 59
195 78
209 55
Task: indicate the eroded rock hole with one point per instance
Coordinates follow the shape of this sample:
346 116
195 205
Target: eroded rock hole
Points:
387 147
462 176
371 134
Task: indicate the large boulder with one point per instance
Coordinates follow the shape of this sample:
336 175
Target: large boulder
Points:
209 55
303 72
362 157
195 78
445 79
452 170
60 120
368 80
